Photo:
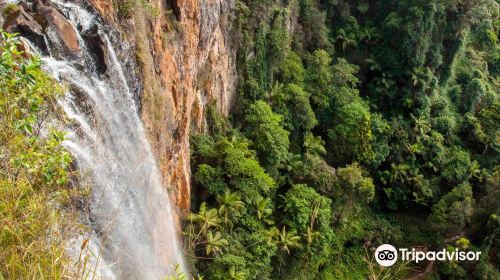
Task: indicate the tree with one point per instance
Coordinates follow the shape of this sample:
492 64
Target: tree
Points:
344 74
345 40
314 145
215 243
318 174
211 178
351 133
472 95
205 219
381 131
456 165
264 210
486 271
301 115
291 69
230 206
489 119
353 190
284 240
399 173
422 126
454 210
348 120
309 214
278 38
243 170
300 202
404 92
315 34
488 209
319 79
268 136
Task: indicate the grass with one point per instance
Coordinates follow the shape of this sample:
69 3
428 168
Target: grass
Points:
125 8
35 193
32 235
10 9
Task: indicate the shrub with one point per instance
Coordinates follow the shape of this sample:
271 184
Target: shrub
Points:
150 9
10 9
125 8
34 171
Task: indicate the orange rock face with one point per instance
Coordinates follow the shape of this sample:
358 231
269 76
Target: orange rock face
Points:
104 7
187 61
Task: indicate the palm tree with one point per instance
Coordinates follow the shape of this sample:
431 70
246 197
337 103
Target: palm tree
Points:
264 210
363 8
215 243
367 34
205 220
422 125
345 40
230 205
285 240
314 145
274 95
399 173
293 167
311 234
422 191
419 77
475 171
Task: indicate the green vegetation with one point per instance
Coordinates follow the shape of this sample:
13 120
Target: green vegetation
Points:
34 171
149 8
125 8
10 9
358 123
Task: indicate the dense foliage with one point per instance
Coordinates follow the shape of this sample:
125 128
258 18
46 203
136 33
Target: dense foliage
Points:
357 123
34 170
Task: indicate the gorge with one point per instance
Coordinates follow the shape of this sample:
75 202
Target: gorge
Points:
248 139
129 201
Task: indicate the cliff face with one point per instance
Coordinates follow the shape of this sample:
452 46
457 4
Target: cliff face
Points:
187 61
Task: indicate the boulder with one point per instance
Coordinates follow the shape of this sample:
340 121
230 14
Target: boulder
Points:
58 26
23 23
25 48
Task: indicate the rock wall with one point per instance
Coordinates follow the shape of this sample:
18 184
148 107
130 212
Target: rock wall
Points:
187 60
185 56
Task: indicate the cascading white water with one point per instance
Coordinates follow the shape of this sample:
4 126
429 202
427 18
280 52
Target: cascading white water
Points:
130 210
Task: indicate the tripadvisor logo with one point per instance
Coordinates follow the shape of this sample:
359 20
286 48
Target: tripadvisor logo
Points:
387 255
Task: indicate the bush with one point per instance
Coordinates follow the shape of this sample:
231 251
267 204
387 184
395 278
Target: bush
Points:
125 8
10 9
34 171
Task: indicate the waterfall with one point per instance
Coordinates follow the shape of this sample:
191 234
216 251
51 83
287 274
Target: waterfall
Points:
130 212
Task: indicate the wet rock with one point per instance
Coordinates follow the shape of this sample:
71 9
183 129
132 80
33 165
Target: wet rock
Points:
58 27
104 8
25 48
21 22
96 47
